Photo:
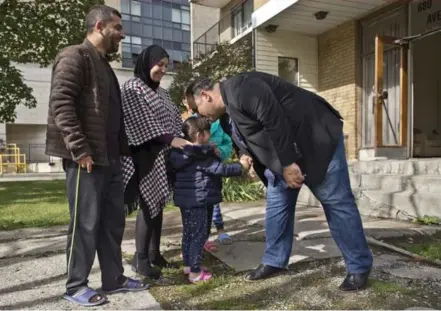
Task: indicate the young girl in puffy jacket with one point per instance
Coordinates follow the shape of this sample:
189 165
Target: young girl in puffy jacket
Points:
198 173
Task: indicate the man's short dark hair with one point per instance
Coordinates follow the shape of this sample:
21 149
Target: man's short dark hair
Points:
202 84
194 125
100 13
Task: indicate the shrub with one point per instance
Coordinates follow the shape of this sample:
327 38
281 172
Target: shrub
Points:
242 189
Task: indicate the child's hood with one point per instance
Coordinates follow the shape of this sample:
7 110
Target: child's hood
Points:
180 158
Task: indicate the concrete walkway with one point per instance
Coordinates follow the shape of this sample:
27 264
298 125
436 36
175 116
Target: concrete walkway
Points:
32 261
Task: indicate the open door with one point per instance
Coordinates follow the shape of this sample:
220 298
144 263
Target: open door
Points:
383 121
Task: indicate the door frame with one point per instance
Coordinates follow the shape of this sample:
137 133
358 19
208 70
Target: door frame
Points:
379 94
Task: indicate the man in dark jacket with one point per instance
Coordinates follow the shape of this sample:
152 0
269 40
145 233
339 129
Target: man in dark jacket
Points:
86 130
292 136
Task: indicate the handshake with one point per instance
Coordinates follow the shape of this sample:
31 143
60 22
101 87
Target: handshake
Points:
246 162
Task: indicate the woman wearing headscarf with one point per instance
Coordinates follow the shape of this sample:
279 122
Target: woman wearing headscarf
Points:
153 125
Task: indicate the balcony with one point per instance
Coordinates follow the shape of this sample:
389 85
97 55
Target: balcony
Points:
232 26
211 3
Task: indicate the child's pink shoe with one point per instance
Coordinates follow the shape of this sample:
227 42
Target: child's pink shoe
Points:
204 276
210 246
187 270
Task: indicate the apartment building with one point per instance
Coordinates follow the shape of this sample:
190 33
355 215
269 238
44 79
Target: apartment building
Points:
374 60
162 22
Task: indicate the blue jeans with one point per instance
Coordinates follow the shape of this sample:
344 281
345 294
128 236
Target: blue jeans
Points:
217 217
335 194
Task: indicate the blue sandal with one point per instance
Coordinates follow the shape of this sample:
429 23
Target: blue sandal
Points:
130 285
84 296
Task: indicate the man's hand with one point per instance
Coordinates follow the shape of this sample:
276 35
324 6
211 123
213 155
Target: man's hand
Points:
246 161
180 143
247 158
293 176
245 164
86 162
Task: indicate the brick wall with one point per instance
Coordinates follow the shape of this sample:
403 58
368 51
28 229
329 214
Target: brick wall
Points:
337 57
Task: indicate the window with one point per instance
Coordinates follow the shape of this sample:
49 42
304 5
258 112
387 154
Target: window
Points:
168 34
177 35
126 48
237 23
186 17
185 27
135 8
289 69
146 9
136 29
157 10
168 45
185 36
147 31
136 40
241 17
125 6
146 42
126 39
176 15
157 32
167 13
136 49
186 46
127 26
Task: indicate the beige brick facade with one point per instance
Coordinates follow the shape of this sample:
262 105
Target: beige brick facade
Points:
337 58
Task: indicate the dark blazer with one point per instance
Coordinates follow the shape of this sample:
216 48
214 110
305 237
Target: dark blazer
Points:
282 123
78 106
198 173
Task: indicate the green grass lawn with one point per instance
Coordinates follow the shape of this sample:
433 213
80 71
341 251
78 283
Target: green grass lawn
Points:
33 204
30 204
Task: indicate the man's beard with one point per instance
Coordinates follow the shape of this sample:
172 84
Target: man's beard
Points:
111 46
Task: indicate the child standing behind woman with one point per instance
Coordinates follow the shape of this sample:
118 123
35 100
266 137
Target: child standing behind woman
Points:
198 186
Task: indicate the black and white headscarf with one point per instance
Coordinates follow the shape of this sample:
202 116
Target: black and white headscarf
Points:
148 115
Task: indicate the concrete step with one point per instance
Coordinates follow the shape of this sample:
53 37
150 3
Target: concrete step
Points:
395 183
403 167
406 202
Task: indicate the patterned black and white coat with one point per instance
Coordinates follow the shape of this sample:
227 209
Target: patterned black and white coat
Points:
148 115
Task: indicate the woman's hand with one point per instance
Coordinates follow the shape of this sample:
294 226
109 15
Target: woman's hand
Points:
180 143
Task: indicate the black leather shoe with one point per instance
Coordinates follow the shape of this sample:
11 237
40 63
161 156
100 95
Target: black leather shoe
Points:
354 282
142 266
161 262
263 272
